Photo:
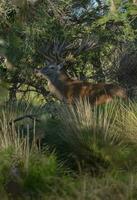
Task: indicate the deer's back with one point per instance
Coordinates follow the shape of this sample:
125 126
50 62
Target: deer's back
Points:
96 93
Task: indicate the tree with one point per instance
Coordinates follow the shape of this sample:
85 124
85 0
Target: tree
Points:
81 34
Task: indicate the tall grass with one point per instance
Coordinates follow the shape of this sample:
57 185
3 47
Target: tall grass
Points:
100 137
126 122
11 138
99 141
23 166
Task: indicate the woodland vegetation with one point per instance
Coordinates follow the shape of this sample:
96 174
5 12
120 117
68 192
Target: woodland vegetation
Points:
47 149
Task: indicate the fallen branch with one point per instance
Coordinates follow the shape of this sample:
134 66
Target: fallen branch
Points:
32 117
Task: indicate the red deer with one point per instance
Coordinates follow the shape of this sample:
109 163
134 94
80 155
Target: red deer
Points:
68 90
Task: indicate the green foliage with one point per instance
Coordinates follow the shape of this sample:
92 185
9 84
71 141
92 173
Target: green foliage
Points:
88 149
6 163
27 31
41 174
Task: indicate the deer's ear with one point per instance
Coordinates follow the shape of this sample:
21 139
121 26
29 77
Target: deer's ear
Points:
47 63
60 66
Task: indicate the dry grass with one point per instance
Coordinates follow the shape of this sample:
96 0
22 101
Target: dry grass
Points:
113 123
100 137
82 123
14 139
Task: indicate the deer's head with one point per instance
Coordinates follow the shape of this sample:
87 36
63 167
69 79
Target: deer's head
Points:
51 71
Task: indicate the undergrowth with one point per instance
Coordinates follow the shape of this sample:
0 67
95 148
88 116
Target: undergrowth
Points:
75 152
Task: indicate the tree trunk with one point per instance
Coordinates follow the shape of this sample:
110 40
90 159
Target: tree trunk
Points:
135 2
12 92
113 7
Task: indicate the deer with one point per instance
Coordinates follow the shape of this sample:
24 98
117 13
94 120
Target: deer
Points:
69 90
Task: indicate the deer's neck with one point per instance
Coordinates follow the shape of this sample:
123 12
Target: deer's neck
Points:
58 85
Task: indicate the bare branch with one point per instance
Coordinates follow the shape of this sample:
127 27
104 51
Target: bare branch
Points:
32 117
